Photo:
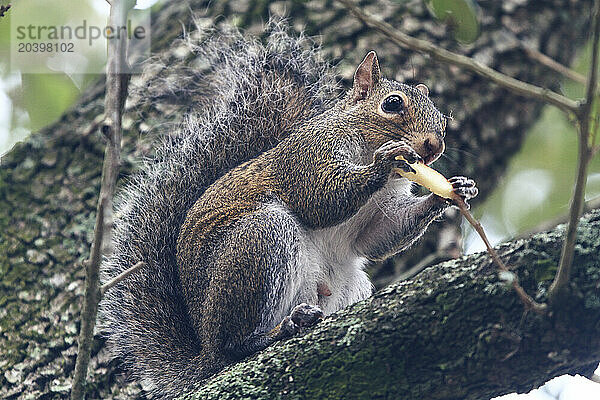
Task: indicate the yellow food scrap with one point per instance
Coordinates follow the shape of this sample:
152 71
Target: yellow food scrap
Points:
429 178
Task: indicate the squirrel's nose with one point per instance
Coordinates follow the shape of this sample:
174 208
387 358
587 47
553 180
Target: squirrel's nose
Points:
433 147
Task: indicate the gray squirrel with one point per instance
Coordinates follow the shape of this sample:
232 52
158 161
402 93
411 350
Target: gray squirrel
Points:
258 215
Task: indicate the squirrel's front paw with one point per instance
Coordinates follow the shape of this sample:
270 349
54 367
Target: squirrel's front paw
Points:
387 153
464 187
303 315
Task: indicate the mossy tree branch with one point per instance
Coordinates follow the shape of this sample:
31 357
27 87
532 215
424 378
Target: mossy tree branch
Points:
455 331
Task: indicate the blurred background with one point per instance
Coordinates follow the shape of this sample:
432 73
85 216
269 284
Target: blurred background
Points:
31 101
535 190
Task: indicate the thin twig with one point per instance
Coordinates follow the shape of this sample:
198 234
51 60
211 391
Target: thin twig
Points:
543 59
90 303
467 63
116 89
563 274
594 132
529 302
122 276
593 72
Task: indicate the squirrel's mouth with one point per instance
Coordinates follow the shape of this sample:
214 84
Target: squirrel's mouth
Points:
431 158
431 149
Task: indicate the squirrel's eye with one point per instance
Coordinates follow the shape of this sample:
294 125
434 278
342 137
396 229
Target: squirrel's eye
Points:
392 104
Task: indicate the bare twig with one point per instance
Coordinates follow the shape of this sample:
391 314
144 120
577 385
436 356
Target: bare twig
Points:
529 302
116 90
122 276
90 302
594 133
543 59
467 63
561 280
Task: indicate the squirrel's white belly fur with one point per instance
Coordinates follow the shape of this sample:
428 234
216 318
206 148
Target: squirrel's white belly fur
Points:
328 257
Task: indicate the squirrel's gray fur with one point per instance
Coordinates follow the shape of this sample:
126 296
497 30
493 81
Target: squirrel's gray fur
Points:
245 111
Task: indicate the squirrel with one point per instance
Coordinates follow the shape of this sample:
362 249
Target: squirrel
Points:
258 216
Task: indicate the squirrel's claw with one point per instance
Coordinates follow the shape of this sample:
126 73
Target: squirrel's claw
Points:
464 188
404 166
389 151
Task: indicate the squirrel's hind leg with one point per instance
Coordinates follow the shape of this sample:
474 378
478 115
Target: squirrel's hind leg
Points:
303 315
252 299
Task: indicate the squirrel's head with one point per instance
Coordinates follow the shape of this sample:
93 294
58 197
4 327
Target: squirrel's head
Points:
391 110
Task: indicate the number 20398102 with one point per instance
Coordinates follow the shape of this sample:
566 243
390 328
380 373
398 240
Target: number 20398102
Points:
65 47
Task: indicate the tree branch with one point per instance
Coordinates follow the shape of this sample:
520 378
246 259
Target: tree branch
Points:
543 59
561 281
122 276
91 299
116 91
538 56
454 331
529 302
467 63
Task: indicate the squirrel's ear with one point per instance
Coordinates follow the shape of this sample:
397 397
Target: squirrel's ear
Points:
423 89
366 76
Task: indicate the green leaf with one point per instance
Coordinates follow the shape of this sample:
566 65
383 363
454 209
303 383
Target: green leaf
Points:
461 15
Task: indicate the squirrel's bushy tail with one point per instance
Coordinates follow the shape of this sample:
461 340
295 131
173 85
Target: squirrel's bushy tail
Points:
254 93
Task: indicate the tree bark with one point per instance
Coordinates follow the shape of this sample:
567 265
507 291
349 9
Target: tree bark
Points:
49 182
456 331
